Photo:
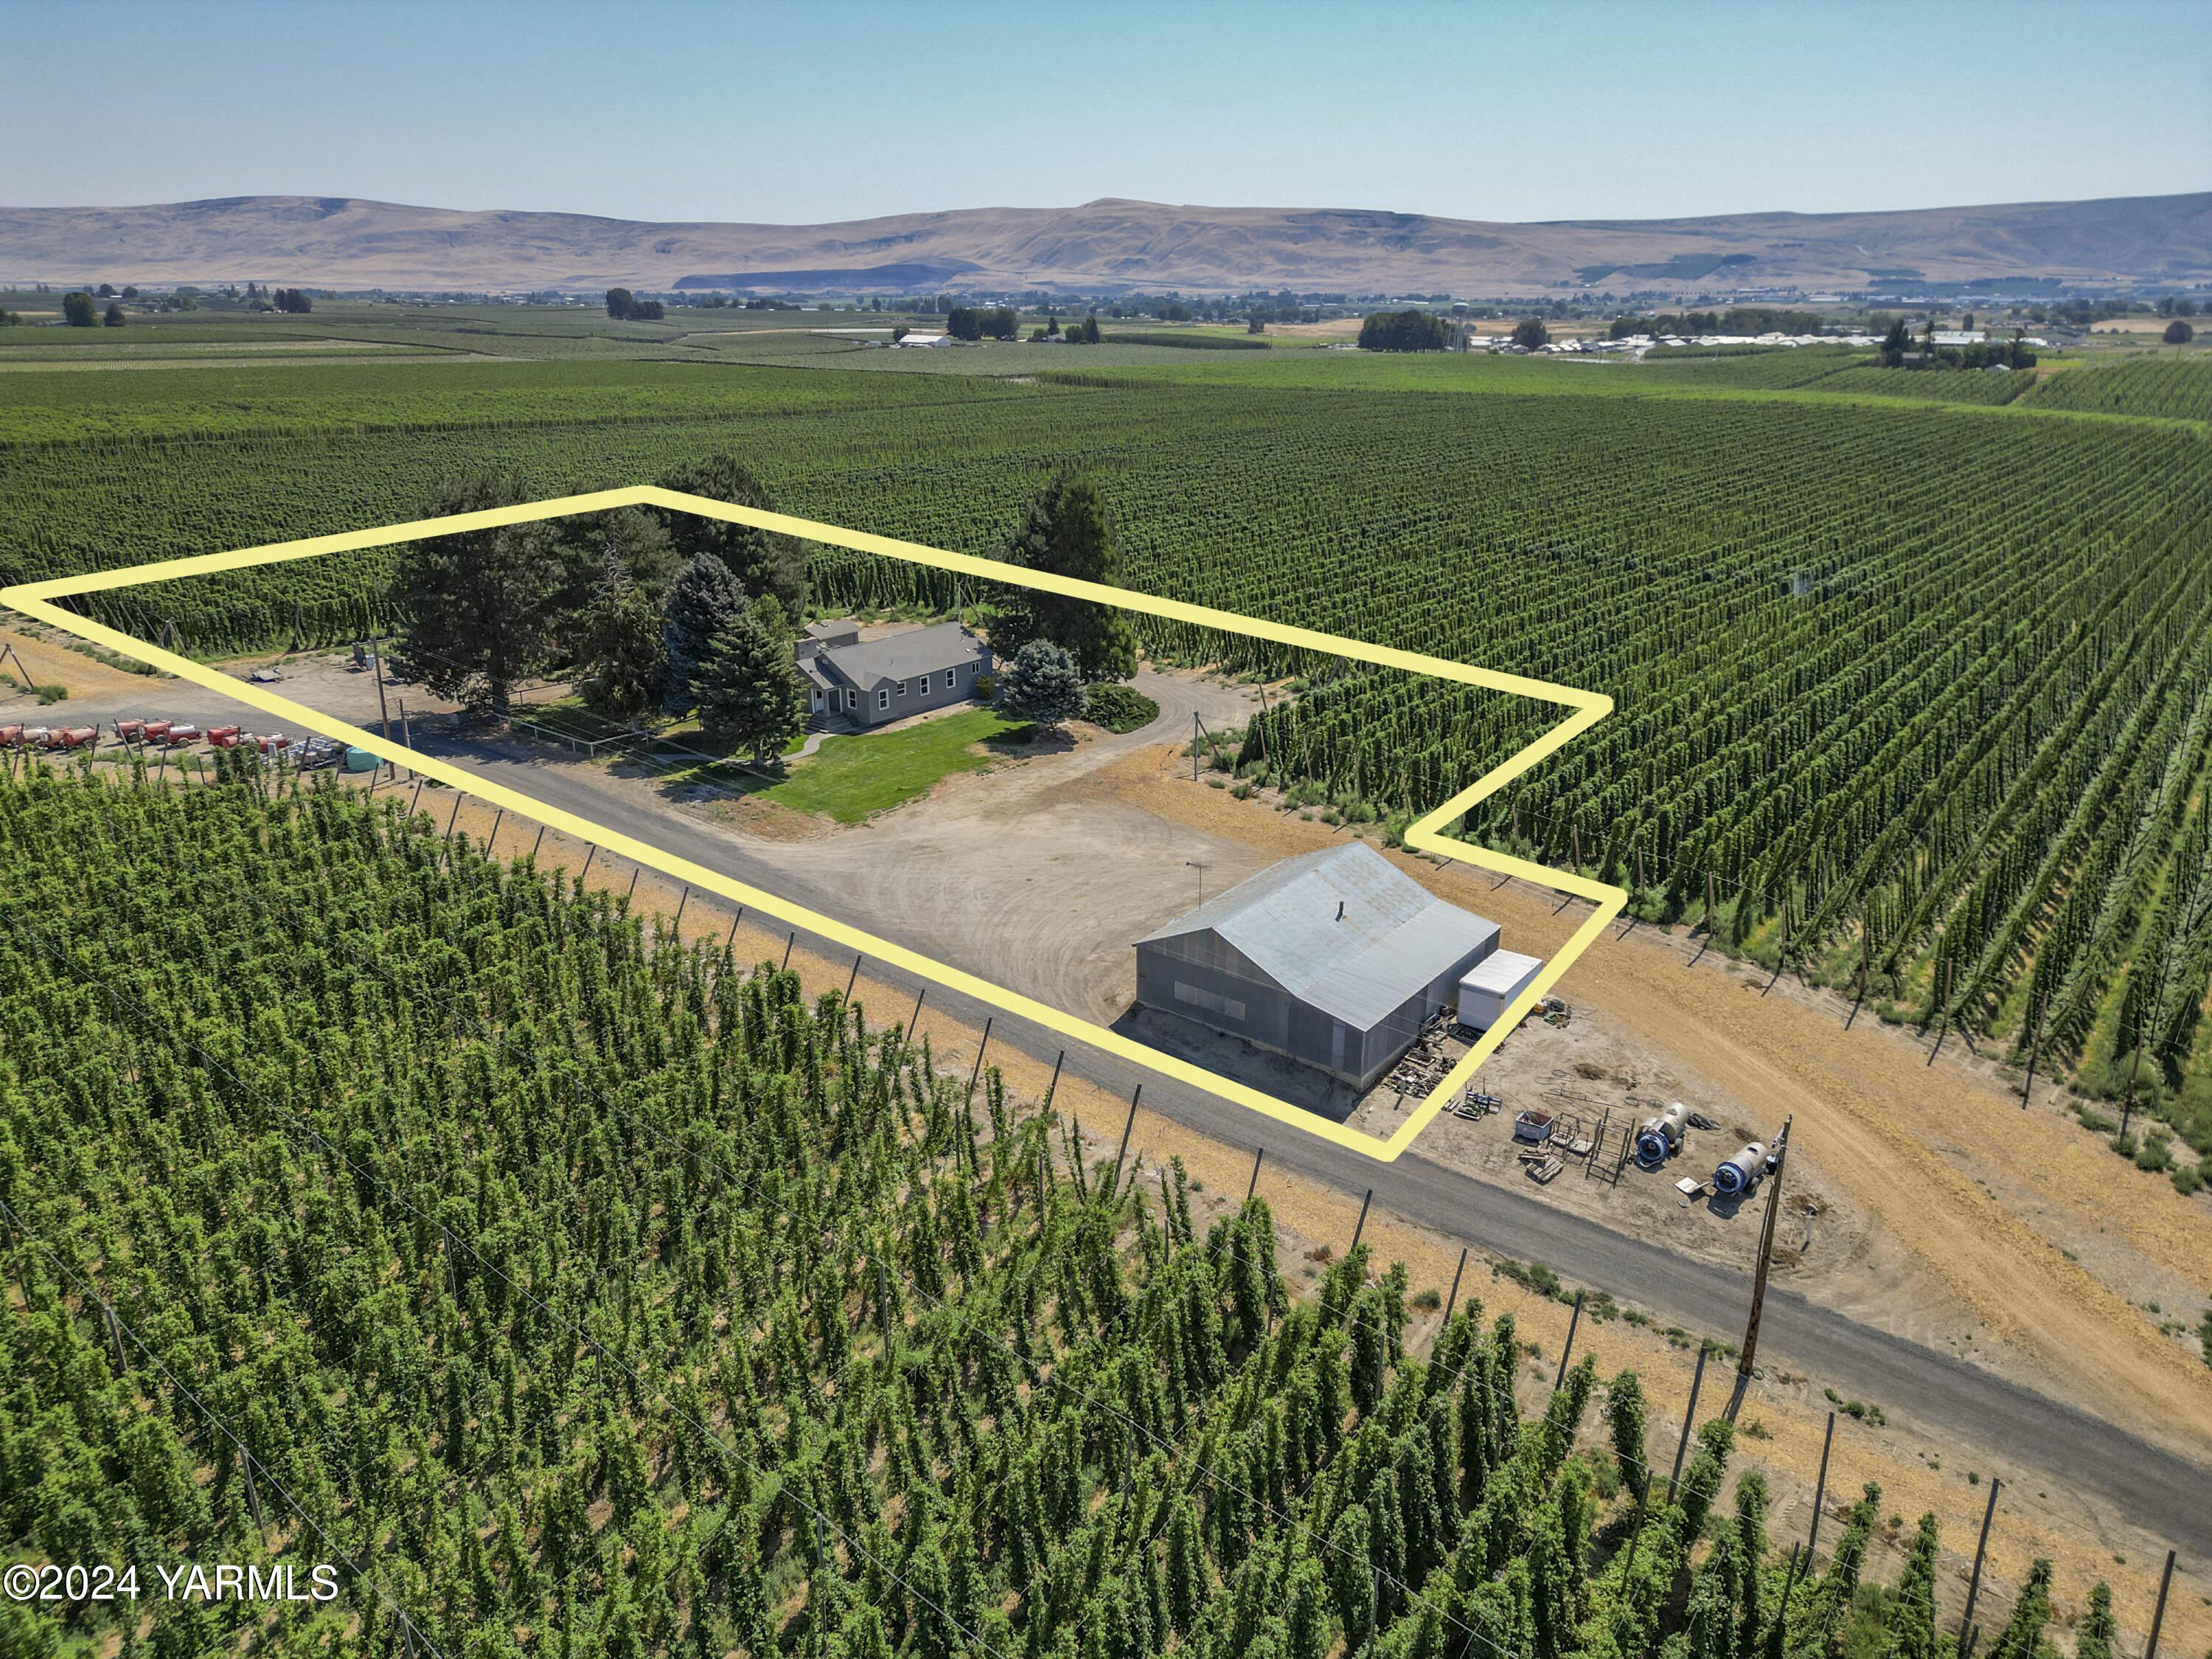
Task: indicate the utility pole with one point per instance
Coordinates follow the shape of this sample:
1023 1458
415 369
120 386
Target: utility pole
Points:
2027 1088
2158 1618
1974 1585
2128 1106
384 715
1743 1366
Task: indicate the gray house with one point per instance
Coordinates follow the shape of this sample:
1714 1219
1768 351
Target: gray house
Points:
1336 958
887 679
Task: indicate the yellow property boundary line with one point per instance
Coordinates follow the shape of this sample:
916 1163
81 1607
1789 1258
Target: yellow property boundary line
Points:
1588 708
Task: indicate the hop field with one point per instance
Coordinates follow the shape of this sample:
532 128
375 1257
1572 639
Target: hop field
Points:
573 1289
2172 388
1921 691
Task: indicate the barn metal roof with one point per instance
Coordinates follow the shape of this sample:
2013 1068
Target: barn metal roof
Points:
1343 930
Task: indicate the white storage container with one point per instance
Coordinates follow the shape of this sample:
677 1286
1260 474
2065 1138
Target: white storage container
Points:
1493 983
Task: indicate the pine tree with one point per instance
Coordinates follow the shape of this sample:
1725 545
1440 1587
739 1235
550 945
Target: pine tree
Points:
1043 685
749 695
480 603
1067 533
703 600
764 562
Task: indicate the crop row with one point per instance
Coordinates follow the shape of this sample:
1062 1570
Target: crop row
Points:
1901 696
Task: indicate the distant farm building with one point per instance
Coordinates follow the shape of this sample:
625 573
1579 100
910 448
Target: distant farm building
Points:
883 680
1334 958
923 340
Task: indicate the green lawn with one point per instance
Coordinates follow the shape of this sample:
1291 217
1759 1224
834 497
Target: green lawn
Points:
850 778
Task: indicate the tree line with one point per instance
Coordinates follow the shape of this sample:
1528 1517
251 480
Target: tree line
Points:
654 610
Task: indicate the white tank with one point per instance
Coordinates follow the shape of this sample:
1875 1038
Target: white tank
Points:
1739 1172
1660 1135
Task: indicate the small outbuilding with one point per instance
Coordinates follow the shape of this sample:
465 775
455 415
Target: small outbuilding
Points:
1336 958
1487 989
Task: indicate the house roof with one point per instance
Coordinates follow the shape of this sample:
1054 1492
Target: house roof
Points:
904 656
1342 929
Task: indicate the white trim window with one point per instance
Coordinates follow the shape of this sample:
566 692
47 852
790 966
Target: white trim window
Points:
883 699
902 688
949 673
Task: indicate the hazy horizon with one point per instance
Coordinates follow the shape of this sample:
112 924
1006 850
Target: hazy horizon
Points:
685 113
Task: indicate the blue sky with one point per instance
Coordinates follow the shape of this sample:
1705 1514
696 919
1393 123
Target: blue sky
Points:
827 110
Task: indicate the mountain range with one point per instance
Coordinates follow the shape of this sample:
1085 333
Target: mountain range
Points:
1106 246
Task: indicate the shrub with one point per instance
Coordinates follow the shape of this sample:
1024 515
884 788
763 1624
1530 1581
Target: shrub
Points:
1119 709
2188 1180
987 687
2155 1154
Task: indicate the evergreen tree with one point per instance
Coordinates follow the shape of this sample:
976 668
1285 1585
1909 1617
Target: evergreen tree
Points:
1044 686
749 693
623 648
764 562
480 604
703 600
1067 532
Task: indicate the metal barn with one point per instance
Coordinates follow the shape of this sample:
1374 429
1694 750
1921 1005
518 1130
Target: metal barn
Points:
1336 958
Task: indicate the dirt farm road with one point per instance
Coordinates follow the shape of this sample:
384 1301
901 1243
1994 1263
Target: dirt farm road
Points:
2154 1487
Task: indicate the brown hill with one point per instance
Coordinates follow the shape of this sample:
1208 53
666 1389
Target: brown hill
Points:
347 243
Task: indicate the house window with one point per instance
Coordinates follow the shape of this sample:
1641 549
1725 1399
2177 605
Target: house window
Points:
948 679
902 688
883 699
